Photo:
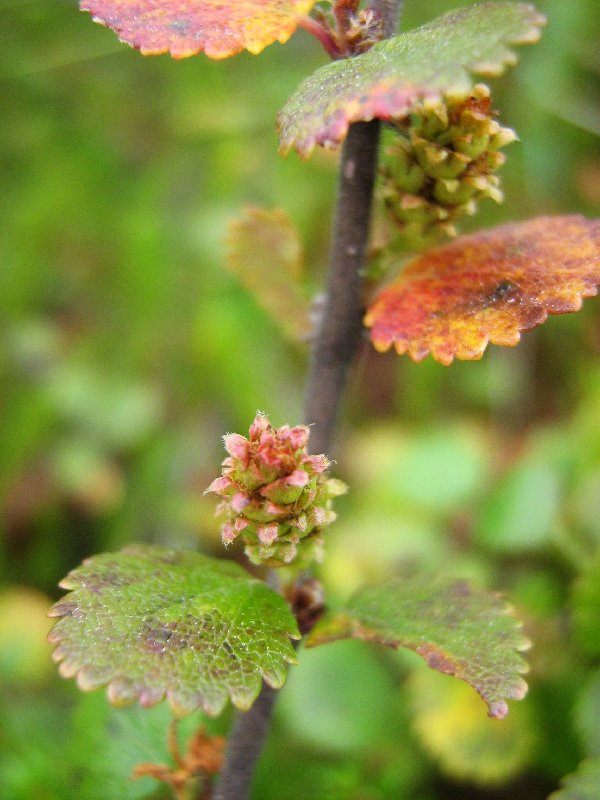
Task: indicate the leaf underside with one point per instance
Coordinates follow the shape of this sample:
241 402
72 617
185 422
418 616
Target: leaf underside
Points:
388 80
458 631
150 621
219 28
487 287
264 251
581 785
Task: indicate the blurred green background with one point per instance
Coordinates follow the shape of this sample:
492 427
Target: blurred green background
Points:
127 350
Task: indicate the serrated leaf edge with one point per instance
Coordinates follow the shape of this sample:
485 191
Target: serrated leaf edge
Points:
217 53
120 690
336 135
352 628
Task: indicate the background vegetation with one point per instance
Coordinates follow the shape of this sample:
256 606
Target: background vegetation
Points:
127 350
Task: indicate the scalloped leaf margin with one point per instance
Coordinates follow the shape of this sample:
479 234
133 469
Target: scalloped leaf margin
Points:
388 80
152 622
219 28
457 630
487 287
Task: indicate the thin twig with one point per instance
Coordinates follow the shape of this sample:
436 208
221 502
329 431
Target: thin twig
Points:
317 30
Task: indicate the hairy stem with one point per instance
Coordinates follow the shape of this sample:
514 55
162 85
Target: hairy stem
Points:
333 353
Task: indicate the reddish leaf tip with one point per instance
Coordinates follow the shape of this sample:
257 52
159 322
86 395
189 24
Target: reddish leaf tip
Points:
462 632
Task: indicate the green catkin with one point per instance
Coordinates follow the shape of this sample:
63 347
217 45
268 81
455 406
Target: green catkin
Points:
441 164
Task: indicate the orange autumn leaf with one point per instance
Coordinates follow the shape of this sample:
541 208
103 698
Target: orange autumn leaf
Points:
487 287
219 28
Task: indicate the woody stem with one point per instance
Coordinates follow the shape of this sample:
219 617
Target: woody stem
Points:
334 351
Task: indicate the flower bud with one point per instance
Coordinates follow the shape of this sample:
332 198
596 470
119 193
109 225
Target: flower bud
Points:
275 495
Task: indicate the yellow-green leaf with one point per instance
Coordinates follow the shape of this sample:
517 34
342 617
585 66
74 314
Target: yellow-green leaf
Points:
468 746
264 251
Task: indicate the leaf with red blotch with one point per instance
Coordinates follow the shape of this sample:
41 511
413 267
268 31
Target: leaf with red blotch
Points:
457 630
487 287
388 80
219 28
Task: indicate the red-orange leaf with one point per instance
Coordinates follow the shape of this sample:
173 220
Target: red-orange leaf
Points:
219 28
487 287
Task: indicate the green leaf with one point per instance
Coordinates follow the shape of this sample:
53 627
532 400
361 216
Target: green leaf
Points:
461 632
388 80
264 251
581 785
150 621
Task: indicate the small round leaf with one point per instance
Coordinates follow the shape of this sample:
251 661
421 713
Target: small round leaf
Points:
390 78
150 621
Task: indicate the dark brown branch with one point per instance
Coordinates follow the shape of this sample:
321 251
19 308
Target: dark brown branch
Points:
390 11
340 331
244 747
334 350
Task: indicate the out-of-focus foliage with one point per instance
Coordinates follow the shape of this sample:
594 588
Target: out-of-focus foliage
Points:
127 350
448 722
582 785
265 252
